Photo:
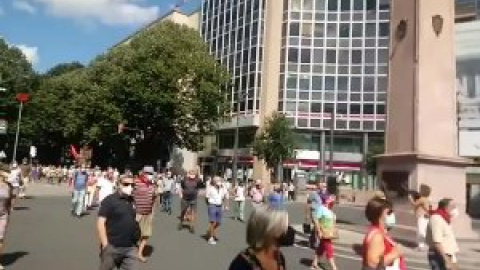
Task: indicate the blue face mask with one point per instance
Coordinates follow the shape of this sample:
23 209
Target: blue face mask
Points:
390 221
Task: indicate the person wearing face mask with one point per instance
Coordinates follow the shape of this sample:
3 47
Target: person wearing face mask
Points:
440 238
267 231
118 231
80 181
380 251
324 224
144 196
217 196
257 192
391 219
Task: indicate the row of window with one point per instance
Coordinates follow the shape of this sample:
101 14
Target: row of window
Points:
339 107
334 56
336 83
343 30
365 125
332 17
330 69
345 96
342 5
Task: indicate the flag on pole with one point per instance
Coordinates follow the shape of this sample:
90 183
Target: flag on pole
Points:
73 151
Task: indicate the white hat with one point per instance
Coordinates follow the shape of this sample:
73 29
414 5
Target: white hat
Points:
148 169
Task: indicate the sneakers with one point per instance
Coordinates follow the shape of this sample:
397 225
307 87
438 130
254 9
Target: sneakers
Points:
212 241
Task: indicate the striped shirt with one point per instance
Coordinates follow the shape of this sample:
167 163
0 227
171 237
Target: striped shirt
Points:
144 195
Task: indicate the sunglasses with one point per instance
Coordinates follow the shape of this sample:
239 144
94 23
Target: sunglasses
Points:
128 184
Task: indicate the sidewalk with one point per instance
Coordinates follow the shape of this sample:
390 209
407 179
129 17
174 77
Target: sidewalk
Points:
349 246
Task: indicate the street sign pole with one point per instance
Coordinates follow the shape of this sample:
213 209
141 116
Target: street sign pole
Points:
17 134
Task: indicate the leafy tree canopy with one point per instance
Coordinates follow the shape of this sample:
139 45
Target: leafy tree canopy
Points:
276 141
165 80
63 68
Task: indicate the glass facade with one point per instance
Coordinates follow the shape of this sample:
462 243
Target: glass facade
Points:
234 31
467 10
335 59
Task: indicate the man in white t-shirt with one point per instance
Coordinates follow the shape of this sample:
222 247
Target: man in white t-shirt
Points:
105 186
217 196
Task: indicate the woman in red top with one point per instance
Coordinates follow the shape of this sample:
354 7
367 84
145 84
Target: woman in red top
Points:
379 248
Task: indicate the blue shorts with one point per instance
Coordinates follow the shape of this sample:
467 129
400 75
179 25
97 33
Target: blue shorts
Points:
215 213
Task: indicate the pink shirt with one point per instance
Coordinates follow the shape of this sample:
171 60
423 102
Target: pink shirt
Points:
257 194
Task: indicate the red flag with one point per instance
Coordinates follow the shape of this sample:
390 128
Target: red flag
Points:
73 151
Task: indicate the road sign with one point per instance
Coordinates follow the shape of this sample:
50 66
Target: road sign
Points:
3 126
33 151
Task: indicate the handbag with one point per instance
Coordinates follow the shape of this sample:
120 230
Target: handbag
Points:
331 233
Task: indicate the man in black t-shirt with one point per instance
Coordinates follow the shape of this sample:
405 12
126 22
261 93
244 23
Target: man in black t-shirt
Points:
189 193
118 230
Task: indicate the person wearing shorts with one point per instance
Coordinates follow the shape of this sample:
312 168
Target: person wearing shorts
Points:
189 194
5 206
216 195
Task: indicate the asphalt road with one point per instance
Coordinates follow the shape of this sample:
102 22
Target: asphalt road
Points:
43 235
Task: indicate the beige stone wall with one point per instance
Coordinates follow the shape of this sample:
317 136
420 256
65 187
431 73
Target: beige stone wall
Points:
271 72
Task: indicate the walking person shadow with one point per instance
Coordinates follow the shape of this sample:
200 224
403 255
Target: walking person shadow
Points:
12 257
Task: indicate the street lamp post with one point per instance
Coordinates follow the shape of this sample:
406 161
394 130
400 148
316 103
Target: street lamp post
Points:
22 98
240 97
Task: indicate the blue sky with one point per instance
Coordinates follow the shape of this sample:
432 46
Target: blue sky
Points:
56 31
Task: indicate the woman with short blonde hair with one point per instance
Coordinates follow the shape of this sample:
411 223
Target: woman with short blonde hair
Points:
267 231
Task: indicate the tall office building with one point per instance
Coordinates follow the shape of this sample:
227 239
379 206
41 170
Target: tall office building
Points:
323 63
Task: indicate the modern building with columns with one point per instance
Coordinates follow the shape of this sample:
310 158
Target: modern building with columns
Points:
323 63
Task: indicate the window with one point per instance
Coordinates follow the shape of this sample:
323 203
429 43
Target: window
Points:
382 83
307 29
380 109
342 108
292 82
331 56
319 30
357 5
293 55
356 56
328 107
315 123
296 5
345 5
318 56
384 29
383 56
303 107
370 30
320 5
333 5
371 4
304 84
343 57
368 109
291 107
294 29
332 30
307 4
370 56
317 83
316 108
357 30
354 108
305 58
344 30
329 83
342 83
355 84
368 84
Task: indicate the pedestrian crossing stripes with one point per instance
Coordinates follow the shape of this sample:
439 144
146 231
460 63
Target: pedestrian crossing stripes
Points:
348 246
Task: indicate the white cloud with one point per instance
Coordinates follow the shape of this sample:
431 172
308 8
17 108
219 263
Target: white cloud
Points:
31 53
109 12
24 6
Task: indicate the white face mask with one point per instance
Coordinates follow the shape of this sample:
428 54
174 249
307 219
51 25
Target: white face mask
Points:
150 177
127 190
454 212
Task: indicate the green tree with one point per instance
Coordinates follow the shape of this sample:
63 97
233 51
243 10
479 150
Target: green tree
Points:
63 68
165 81
275 142
374 149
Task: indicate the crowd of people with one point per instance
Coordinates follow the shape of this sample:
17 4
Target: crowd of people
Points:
126 204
